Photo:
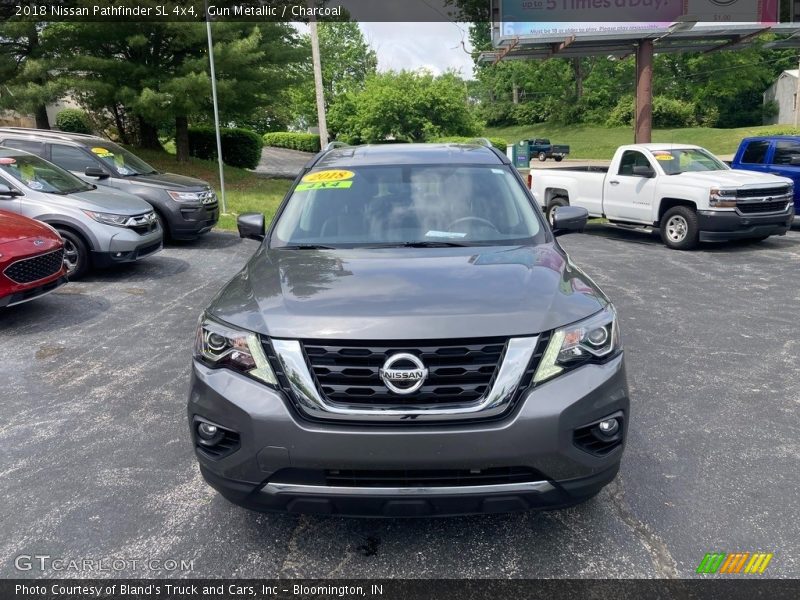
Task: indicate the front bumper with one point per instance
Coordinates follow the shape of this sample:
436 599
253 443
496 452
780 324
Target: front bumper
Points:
128 246
731 225
189 221
26 293
538 435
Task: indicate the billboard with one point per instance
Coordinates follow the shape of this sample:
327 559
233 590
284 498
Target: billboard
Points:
525 18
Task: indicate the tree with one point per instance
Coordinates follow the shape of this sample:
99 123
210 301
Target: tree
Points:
27 85
406 105
347 61
151 75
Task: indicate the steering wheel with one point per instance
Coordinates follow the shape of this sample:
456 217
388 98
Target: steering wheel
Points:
480 220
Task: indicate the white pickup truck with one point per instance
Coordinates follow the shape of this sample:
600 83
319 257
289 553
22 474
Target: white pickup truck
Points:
685 191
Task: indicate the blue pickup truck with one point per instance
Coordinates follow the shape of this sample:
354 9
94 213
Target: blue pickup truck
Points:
777 155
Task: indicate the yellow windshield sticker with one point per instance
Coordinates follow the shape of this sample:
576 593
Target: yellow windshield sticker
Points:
664 156
331 175
324 185
102 152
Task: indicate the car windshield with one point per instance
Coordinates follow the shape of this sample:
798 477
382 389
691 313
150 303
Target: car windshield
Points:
408 205
681 160
38 174
123 162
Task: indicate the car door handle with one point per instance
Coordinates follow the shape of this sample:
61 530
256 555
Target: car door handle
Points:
614 182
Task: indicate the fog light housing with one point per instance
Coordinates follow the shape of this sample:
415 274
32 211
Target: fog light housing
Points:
609 427
209 434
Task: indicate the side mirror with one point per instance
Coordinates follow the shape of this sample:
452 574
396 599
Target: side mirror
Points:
7 191
569 219
644 171
795 160
96 172
252 226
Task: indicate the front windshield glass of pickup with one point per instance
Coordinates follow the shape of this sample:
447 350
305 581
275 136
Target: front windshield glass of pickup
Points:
408 204
681 160
38 174
123 162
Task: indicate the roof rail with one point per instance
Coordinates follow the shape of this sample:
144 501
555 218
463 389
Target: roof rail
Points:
64 135
482 141
331 145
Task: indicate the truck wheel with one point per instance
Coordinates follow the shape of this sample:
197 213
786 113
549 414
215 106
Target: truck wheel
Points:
76 255
559 158
679 229
557 201
542 156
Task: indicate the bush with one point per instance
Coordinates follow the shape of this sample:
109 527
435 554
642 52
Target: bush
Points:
305 142
667 113
780 130
240 147
498 143
73 120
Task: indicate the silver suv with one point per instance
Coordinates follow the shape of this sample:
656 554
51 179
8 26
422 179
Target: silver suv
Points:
100 227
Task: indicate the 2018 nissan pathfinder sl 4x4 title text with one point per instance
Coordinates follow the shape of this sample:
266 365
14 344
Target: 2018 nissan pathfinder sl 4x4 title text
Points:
409 340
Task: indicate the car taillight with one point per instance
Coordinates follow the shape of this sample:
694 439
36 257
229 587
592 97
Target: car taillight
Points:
530 180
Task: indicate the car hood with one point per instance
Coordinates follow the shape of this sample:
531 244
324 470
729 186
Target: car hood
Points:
106 199
170 181
14 227
389 294
729 179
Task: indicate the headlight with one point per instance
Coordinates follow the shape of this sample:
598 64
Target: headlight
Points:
221 346
186 196
108 218
595 339
719 198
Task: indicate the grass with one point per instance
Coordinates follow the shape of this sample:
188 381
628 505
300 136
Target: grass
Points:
244 191
592 141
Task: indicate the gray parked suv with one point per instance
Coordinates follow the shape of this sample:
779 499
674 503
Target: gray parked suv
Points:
100 226
408 340
186 207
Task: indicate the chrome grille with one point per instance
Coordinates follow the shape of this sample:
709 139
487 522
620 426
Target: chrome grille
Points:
458 372
34 269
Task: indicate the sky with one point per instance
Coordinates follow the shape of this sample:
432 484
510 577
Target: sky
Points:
435 46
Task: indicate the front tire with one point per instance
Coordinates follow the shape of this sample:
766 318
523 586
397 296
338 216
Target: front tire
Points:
551 208
542 156
679 228
76 254
559 158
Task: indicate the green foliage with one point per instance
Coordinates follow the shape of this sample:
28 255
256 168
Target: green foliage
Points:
667 113
780 130
347 61
73 120
497 142
240 147
305 142
405 105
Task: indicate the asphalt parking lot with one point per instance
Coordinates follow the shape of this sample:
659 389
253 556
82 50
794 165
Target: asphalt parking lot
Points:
96 462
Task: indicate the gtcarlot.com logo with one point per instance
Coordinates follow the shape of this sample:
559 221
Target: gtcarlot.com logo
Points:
45 562
748 563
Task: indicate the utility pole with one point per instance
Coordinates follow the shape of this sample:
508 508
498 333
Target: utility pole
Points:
323 125
216 111
643 119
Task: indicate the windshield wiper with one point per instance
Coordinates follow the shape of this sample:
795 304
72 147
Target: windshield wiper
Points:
305 247
432 244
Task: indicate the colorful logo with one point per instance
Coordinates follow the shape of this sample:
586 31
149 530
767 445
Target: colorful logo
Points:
737 562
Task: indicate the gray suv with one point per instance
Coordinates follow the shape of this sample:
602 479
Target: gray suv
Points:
409 339
100 226
186 207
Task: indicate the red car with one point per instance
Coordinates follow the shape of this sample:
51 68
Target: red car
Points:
31 259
